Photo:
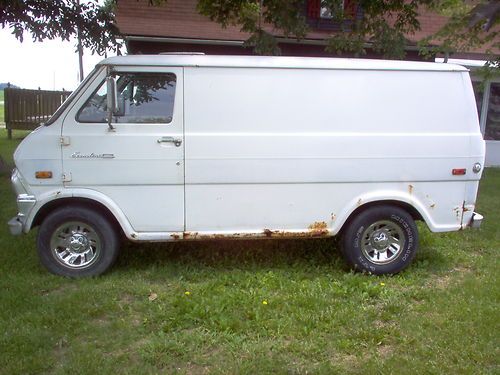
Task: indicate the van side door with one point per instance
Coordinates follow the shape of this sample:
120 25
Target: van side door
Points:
139 164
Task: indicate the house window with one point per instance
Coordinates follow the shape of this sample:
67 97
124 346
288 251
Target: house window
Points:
320 16
492 129
146 98
326 13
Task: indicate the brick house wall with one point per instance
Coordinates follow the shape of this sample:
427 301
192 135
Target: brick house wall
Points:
177 26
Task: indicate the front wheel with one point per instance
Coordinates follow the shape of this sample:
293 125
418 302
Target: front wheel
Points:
380 240
77 242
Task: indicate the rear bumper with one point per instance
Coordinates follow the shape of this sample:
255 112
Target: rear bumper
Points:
476 220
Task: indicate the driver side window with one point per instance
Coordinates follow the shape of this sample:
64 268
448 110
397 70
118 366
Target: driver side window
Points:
142 98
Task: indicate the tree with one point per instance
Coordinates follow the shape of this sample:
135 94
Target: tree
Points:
383 26
469 27
62 19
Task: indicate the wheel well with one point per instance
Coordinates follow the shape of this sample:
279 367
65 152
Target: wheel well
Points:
403 205
82 202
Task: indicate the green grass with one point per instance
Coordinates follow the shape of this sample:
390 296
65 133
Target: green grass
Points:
440 316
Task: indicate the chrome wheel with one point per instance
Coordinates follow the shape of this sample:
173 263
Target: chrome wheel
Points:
75 245
382 241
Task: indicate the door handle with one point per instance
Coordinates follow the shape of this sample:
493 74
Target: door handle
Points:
176 141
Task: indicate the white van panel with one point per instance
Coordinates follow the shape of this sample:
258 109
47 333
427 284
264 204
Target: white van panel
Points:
144 178
264 158
311 144
287 100
41 151
298 207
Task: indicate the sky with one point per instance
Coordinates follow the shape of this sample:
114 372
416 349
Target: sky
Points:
50 65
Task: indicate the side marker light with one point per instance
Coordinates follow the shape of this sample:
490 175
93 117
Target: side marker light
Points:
43 174
458 171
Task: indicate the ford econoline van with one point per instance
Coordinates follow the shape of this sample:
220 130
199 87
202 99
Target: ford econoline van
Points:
190 147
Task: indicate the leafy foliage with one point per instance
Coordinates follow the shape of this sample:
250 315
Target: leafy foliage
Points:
62 19
282 15
384 23
469 28
381 25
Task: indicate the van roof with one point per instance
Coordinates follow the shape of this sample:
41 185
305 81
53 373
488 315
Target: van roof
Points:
277 62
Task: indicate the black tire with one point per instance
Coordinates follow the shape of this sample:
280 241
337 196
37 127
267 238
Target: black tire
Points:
86 235
363 244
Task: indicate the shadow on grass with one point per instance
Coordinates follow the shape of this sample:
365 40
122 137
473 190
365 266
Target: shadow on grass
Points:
321 255
232 254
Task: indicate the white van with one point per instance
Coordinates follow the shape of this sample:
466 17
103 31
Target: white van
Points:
190 147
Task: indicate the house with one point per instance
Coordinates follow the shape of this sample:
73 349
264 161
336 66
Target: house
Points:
178 27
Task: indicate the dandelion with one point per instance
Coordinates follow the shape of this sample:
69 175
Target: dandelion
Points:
264 302
187 293
382 284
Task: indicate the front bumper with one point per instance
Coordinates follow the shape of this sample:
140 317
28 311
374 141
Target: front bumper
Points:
25 203
16 226
476 220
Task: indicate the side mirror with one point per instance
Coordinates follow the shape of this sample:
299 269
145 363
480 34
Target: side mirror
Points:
112 99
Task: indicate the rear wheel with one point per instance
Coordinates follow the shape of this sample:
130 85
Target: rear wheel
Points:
380 240
77 242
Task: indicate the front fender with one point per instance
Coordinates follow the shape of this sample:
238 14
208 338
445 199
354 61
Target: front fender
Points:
64 193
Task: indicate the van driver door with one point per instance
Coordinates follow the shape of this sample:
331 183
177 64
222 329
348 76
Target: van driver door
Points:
139 164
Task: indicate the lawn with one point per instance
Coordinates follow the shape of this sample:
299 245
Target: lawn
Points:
254 307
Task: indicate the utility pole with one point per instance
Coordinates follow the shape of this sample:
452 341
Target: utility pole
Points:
80 49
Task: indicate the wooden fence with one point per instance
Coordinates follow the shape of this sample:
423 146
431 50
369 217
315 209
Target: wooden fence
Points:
26 109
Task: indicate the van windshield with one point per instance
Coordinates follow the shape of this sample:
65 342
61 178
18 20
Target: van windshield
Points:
70 98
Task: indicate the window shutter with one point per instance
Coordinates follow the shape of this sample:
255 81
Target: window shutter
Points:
313 8
350 8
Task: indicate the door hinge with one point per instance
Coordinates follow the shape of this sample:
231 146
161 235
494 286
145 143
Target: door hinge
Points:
66 177
65 141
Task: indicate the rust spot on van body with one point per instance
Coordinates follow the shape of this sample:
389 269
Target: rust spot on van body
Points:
189 235
287 234
267 232
318 228
410 189
211 236
359 202
216 236
432 205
